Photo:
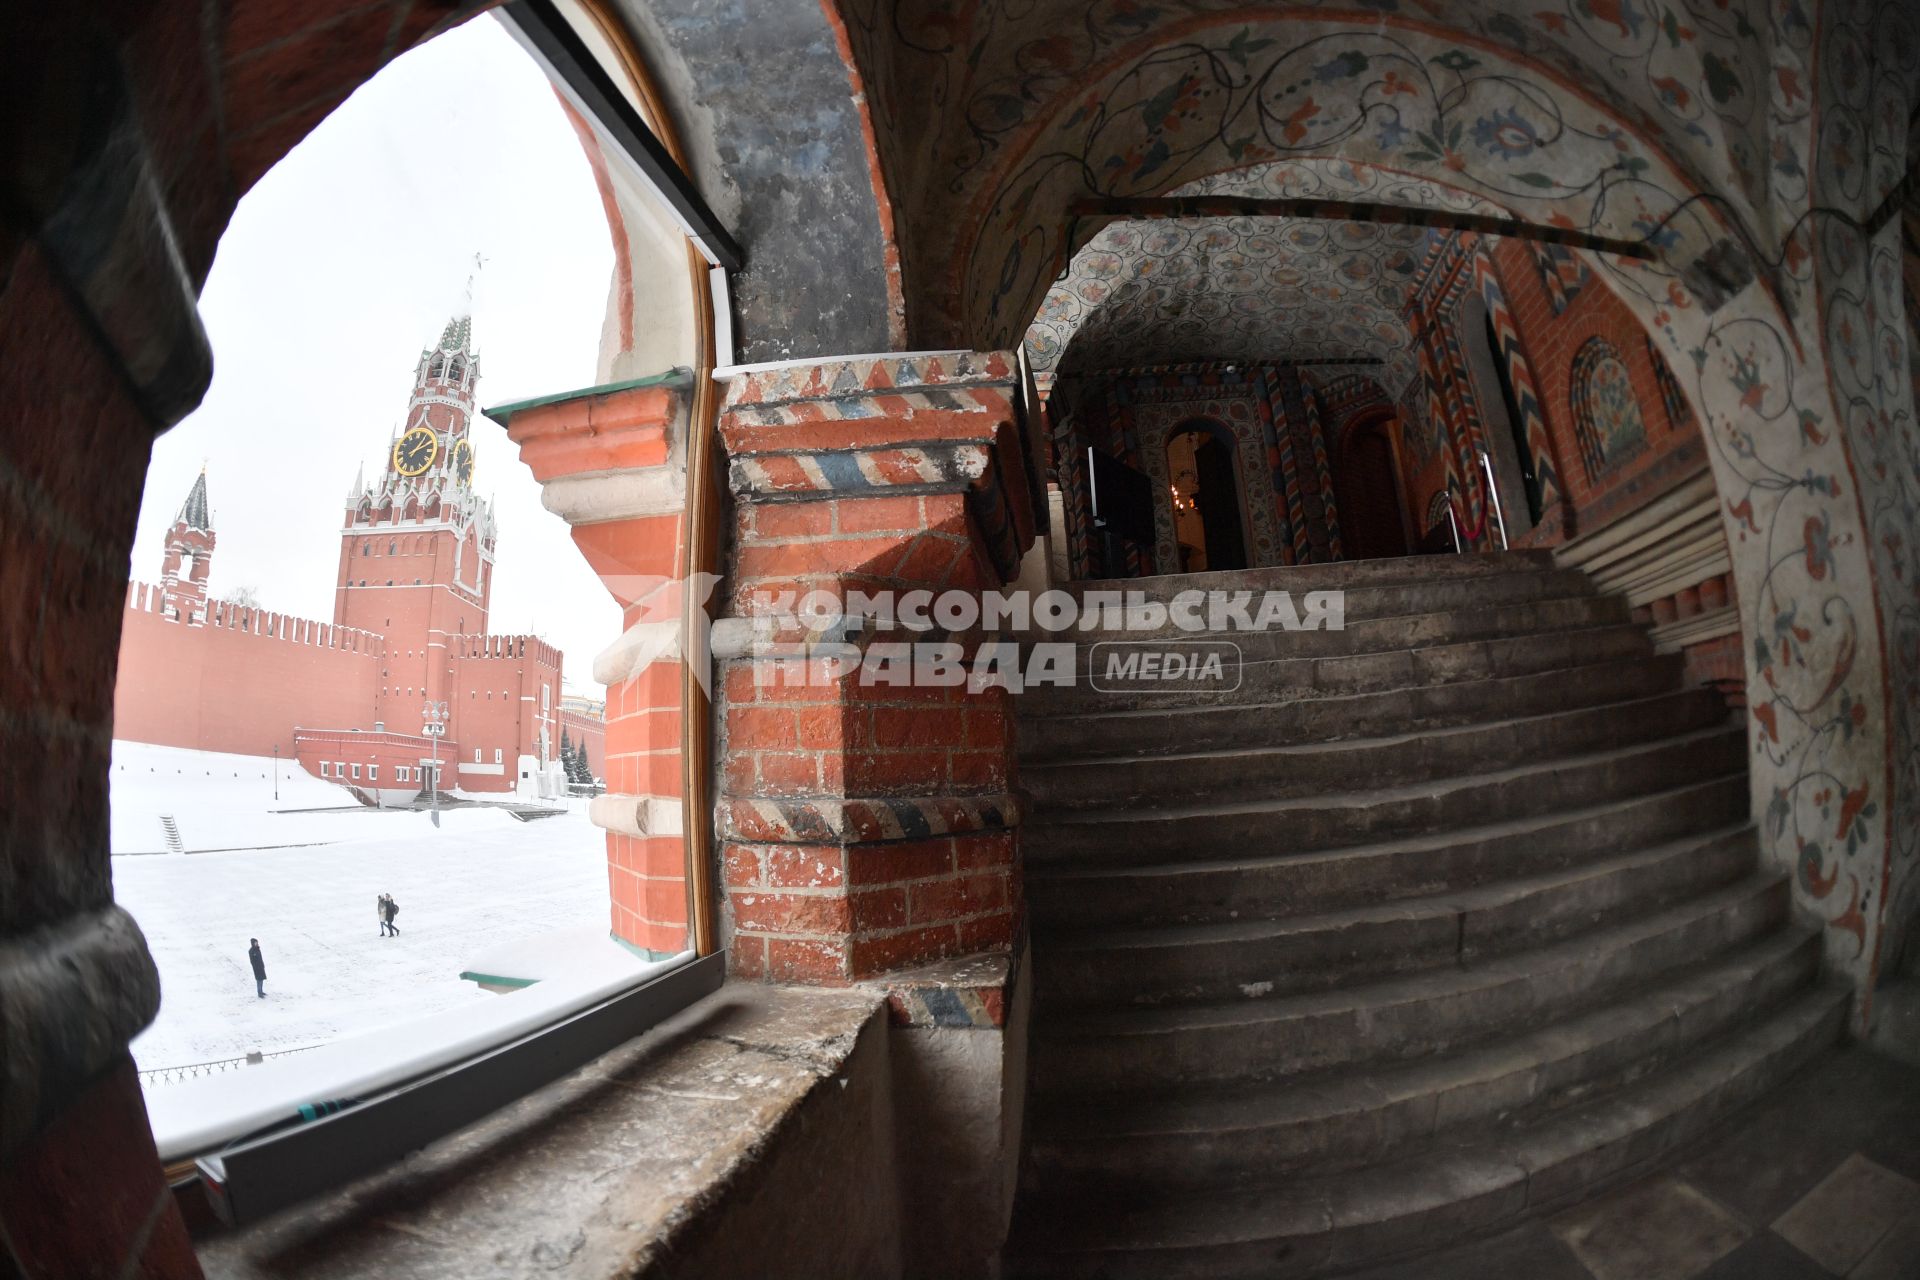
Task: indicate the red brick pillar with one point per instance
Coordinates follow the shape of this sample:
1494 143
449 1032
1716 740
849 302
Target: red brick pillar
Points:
609 463
868 827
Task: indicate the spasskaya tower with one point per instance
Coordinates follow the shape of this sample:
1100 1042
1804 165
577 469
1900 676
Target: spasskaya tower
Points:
416 552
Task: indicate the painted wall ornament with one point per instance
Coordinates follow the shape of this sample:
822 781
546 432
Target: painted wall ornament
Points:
1606 413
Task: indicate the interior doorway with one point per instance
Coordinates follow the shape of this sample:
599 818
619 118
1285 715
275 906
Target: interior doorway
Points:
1204 489
1366 482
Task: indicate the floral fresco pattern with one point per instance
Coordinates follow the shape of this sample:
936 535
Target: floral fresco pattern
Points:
968 84
1849 287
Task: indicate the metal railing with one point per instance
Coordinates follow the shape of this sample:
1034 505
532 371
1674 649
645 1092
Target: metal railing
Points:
193 1070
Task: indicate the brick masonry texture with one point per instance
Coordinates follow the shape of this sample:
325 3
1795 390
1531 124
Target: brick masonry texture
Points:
868 828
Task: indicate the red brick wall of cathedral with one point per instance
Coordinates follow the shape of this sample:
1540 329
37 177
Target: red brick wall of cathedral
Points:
1673 450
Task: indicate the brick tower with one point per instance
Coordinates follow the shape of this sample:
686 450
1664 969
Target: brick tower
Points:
189 558
416 552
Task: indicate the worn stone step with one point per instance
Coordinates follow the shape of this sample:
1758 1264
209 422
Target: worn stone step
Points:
1121 837
1445 1190
1250 958
1326 577
1224 1133
1298 677
1108 616
1364 634
1185 730
1270 1037
1078 897
1263 773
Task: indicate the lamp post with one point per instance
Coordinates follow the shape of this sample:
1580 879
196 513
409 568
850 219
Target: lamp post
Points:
435 714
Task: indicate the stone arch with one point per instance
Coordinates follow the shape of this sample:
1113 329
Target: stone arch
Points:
1153 424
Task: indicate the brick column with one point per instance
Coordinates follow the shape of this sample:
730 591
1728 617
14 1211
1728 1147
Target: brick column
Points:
609 460
867 828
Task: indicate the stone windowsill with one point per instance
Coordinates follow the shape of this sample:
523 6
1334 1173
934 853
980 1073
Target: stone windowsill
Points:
601 1173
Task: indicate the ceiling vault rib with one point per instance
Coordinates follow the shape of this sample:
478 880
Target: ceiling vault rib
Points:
1148 207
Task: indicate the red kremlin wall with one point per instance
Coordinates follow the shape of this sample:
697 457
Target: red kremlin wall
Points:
243 681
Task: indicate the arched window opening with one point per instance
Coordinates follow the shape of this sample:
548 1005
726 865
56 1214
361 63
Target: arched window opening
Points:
258 690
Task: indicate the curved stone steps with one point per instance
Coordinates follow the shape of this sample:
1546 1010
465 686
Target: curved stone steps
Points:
1338 717
1395 668
1344 574
1423 755
1477 1180
1137 837
1371 634
1251 884
1115 1143
1267 1037
1196 963
1371 602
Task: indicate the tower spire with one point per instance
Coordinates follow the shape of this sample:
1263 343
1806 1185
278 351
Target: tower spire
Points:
193 512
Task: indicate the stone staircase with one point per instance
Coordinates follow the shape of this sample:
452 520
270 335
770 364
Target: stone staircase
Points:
170 832
1433 923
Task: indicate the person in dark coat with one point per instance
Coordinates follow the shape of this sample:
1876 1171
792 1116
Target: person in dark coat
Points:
259 968
380 905
393 909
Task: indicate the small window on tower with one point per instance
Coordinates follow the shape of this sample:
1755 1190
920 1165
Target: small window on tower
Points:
476 755
366 548
373 773
356 773
390 546
498 756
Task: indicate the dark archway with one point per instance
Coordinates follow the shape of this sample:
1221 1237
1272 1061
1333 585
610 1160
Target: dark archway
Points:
1366 482
1205 493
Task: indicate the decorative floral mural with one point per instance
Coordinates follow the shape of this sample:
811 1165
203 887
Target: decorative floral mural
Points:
1606 415
972 88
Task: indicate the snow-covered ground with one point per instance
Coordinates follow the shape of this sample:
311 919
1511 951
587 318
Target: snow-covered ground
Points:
305 886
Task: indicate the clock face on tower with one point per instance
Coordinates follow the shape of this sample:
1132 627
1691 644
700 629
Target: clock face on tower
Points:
414 452
463 462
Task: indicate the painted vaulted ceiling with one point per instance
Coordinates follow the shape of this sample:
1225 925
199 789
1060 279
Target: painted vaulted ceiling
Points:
1249 288
1274 289
993 116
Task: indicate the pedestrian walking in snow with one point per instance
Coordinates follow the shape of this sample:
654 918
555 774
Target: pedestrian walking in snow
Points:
393 909
380 910
259 968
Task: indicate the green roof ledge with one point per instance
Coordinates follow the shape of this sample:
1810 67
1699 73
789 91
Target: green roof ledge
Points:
503 414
